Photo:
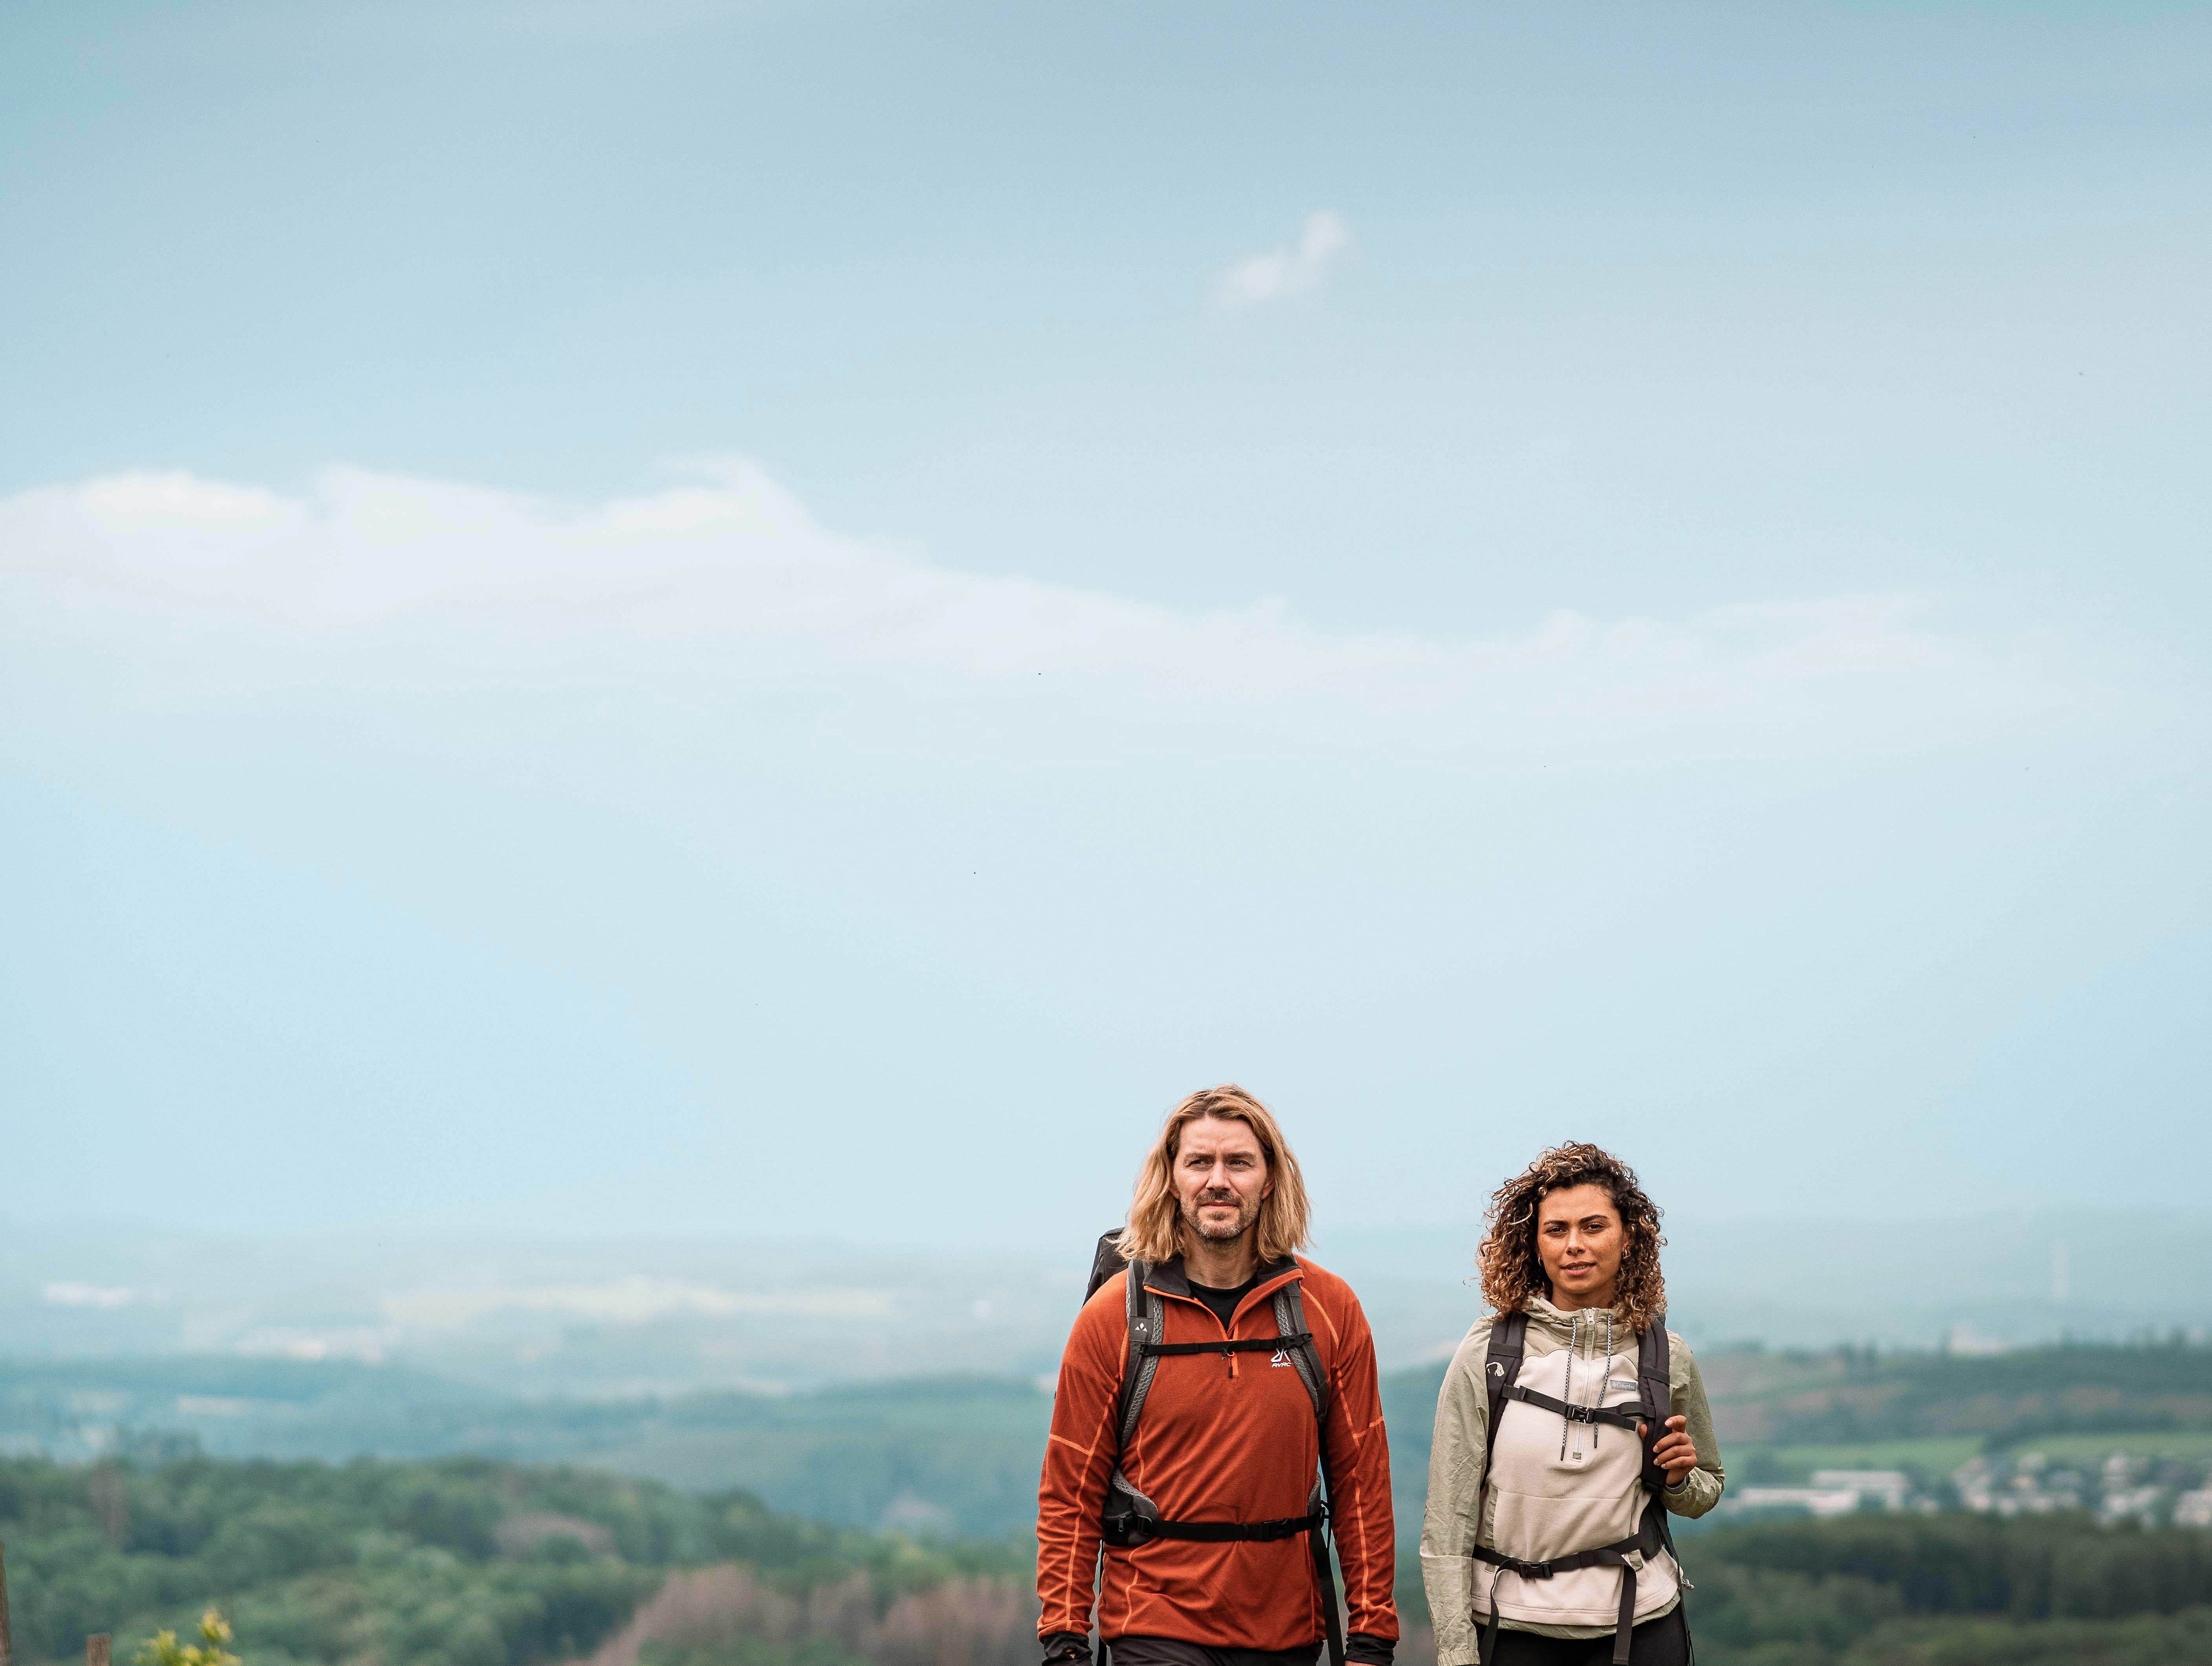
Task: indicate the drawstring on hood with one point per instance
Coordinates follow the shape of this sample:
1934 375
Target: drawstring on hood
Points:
1604 1382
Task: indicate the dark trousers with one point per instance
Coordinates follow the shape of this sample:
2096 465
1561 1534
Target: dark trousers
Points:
1172 1651
1662 1642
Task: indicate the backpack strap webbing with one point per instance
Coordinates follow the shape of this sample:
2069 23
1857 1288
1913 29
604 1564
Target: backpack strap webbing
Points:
1228 1346
1501 1369
1621 1417
1106 1260
1291 1325
1654 1391
1147 1324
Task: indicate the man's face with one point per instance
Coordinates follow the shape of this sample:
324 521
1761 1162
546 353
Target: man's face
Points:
1221 1178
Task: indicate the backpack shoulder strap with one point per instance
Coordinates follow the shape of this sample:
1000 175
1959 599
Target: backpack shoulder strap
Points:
1655 1369
1509 1344
1501 1369
1655 1390
1291 1323
1147 1323
1299 1343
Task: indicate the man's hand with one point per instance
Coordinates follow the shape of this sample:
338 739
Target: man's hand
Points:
1675 1453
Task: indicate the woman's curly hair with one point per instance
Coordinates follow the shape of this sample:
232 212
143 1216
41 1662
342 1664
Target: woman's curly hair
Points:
1511 1271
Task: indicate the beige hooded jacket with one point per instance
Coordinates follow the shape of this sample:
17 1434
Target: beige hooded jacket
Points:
1555 1487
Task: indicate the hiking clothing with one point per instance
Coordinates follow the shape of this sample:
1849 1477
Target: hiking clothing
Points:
1061 1648
1224 1302
1662 1642
1557 1484
1229 1438
1172 1651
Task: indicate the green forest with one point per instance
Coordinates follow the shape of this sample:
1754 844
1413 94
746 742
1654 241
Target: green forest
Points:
886 1524
1951 1590
468 1562
461 1562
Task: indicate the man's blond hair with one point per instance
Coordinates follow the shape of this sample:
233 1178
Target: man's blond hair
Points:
1155 1230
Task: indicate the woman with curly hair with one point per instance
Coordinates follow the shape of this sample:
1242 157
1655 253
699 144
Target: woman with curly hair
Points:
1545 1541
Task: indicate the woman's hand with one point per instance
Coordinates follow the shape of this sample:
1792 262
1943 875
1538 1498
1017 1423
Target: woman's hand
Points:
1675 1453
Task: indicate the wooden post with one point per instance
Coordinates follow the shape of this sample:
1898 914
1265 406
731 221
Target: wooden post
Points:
95 1650
7 1644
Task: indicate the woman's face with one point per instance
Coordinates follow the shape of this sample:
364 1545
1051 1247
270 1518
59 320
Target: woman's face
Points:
1579 1240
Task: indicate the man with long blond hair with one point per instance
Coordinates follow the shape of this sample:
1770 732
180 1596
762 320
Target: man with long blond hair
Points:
1200 1390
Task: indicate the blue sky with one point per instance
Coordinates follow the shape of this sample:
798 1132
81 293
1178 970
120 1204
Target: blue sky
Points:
792 618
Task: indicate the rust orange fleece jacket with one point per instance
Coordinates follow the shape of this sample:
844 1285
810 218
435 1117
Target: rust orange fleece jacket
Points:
1220 1439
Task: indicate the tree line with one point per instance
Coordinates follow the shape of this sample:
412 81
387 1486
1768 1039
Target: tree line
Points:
459 1562
1905 1590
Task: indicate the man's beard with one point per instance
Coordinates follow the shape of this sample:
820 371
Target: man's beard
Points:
1220 1233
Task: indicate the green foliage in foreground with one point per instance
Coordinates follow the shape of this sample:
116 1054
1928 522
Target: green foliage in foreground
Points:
460 1563
162 1649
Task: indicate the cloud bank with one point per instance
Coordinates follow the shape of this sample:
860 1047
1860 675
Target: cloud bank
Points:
392 816
725 578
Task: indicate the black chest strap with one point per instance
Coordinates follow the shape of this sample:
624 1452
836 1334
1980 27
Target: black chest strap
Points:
1621 1417
1228 1346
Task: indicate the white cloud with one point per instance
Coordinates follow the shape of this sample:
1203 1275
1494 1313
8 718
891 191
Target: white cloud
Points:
89 1295
380 582
1291 271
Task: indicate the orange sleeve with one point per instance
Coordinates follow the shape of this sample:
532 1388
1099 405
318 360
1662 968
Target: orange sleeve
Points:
1078 1457
1358 1456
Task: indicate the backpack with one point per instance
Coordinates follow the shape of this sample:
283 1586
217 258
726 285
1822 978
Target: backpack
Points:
1128 1518
1654 1399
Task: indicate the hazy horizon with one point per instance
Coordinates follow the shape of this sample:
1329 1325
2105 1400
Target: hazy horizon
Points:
616 1318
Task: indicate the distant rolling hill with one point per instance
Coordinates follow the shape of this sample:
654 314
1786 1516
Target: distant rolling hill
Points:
959 1455
952 1454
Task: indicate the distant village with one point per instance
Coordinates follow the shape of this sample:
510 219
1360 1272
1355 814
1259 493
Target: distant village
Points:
2156 1491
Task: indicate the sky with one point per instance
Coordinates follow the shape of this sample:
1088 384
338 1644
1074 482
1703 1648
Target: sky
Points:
791 619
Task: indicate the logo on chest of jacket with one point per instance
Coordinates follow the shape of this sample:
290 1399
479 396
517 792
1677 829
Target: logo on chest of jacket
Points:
1280 1357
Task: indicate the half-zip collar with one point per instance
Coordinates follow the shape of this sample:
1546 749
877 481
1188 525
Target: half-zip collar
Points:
1562 1322
1169 1278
